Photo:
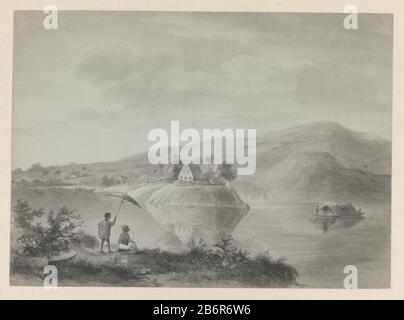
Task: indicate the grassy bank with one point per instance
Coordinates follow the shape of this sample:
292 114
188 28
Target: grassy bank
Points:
199 266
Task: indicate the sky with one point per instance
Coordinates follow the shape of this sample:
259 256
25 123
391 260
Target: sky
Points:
92 90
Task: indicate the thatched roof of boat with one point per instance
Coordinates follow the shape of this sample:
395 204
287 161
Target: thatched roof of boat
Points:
340 209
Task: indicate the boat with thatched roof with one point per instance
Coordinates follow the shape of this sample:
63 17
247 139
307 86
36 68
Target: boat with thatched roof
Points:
338 209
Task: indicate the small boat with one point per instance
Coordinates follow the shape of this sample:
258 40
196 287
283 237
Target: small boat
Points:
337 209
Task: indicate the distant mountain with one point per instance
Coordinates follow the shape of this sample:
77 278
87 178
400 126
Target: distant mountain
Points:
322 161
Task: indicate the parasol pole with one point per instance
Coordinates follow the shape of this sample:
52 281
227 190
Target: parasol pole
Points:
116 214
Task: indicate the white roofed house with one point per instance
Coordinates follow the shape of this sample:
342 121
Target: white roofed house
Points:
190 172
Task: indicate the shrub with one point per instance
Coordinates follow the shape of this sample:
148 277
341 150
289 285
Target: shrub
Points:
230 255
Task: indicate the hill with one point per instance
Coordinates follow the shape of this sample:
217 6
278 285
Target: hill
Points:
350 148
322 161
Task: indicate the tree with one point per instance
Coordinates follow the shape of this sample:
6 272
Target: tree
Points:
174 170
75 173
107 181
210 173
228 171
36 167
25 215
63 228
18 171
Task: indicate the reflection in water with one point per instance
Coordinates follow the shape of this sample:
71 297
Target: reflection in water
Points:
333 223
182 224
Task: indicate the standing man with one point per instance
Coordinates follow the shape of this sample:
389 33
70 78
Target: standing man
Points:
104 231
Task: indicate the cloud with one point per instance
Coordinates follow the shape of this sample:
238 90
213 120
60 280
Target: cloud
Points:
159 80
103 65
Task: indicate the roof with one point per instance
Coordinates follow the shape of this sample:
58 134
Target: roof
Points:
341 208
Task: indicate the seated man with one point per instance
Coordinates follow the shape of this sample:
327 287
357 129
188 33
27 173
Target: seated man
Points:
125 243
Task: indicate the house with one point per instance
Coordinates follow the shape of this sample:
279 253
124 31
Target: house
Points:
190 172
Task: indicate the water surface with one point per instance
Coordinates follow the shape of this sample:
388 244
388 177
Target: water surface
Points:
318 251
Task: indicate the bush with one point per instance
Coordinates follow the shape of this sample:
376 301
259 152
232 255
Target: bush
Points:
49 239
